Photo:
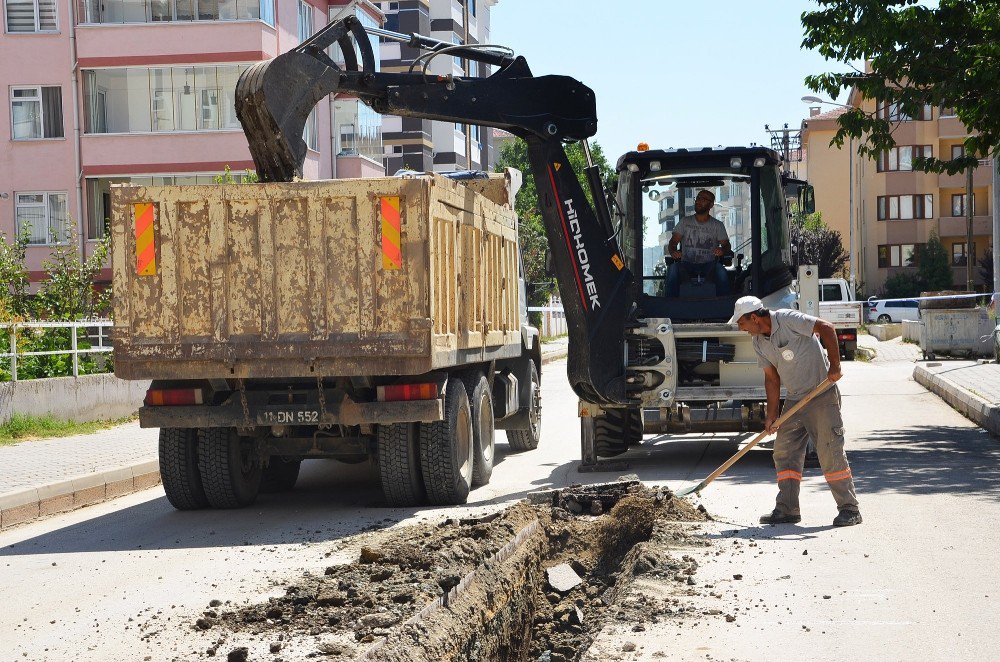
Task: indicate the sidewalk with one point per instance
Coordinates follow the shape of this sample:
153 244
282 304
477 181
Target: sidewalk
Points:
55 475
971 387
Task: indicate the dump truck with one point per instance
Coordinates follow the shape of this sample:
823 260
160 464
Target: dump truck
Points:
348 319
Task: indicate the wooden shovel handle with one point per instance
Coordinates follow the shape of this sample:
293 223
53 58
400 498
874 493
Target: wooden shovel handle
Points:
781 419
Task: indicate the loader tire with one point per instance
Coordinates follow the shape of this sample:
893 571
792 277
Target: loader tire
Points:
616 431
178 451
280 475
230 467
399 465
527 440
446 450
483 428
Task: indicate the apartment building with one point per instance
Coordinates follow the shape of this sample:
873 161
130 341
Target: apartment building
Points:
425 145
143 91
896 209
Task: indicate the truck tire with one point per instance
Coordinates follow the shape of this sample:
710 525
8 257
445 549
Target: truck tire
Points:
527 440
178 450
616 431
446 450
230 467
399 465
850 354
483 429
280 474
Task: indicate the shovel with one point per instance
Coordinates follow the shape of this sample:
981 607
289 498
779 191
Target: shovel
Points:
743 451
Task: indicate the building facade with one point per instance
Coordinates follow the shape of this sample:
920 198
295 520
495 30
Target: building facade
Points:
895 208
425 145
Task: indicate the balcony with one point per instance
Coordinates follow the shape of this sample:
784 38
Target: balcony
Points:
981 177
954 226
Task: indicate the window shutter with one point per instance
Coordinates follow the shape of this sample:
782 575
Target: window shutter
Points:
21 15
47 16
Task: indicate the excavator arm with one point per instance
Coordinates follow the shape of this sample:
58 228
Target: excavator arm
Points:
274 99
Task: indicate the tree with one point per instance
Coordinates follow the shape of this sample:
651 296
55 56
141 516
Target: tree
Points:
986 268
943 56
531 227
816 243
934 272
69 292
902 285
14 278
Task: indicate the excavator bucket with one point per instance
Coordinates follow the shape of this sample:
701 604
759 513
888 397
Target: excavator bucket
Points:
274 97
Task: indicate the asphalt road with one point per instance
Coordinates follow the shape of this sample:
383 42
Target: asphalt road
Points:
918 580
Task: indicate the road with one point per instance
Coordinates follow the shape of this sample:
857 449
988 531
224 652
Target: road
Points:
126 579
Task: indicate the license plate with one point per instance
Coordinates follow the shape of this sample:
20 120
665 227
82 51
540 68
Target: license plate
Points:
298 416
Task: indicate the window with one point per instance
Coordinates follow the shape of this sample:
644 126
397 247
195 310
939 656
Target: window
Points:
830 292
310 133
899 255
157 11
99 194
902 157
472 7
36 112
958 204
31 16
359 129
958 254
905 207
457 60
161 99
42 216
957 151
305 20
892 112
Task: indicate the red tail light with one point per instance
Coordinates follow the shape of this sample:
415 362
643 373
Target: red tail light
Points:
399 392
847 336
173 397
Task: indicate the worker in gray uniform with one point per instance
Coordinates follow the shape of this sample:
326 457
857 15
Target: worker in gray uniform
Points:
791 355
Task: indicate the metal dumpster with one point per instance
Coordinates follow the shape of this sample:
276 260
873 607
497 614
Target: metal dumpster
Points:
963 332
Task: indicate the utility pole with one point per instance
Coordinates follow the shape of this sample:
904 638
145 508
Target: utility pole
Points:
969 286
996 223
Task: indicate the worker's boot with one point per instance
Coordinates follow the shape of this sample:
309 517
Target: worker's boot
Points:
778 517
847 518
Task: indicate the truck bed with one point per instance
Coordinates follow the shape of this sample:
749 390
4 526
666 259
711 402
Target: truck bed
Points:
312 278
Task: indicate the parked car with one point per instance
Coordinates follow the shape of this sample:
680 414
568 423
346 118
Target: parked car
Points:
885 312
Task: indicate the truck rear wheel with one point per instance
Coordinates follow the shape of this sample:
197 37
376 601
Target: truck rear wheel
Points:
527 440
280 475
446 450
483 432
230 467
399 464
178 451
616 431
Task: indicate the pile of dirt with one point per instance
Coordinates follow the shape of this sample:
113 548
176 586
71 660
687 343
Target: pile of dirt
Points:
587 548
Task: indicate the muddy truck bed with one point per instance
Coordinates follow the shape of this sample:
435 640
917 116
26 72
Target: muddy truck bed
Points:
389 276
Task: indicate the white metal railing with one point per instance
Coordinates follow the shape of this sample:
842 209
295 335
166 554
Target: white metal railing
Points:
102 341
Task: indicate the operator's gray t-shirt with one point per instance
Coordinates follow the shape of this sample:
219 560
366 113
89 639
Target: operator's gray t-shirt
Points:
698 240
794 350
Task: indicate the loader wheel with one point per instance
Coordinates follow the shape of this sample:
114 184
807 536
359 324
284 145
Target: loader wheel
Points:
179 468
230 467
280 474
446 450
527 440
616 431
399 464
483 432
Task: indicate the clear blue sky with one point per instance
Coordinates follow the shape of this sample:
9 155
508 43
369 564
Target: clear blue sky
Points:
671 73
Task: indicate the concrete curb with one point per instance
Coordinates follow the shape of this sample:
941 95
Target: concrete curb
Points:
34 502
978 410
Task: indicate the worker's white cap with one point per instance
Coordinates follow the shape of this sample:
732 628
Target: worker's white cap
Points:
745 305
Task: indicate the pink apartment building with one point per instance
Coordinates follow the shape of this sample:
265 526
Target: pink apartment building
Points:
107 91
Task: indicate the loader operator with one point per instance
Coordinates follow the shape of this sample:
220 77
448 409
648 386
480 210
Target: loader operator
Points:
790 354
703 240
